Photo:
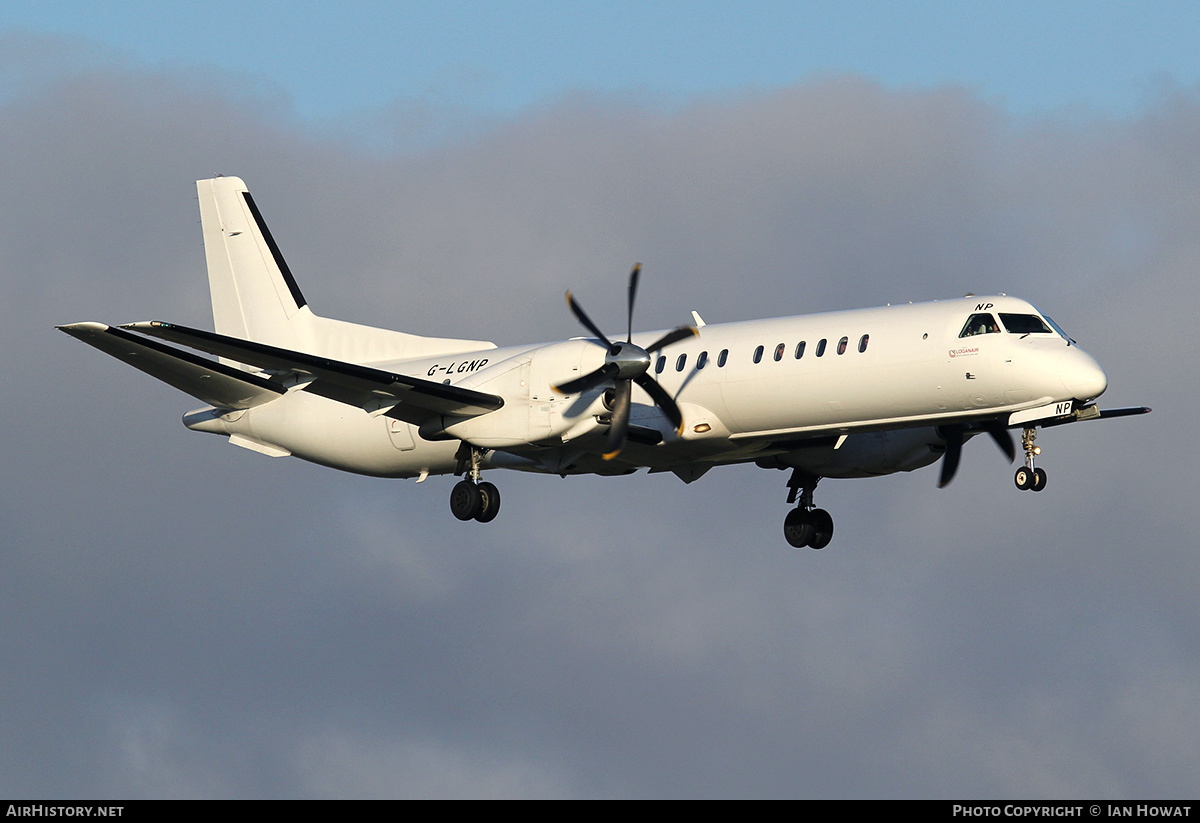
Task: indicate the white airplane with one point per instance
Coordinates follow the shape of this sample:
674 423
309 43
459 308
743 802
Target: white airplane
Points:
840 394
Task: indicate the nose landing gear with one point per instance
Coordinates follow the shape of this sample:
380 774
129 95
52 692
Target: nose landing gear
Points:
1029 477
805 525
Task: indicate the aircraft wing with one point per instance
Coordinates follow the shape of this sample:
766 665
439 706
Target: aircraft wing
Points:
411 399
212 382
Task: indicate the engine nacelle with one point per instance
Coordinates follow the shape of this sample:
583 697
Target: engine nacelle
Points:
534 413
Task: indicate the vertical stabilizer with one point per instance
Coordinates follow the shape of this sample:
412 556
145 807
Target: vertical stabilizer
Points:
254 295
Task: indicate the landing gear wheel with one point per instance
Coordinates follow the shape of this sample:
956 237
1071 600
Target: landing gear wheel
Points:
466 502
805 525
490 506
798 528
1027 476
1024 478
823 528
1039 480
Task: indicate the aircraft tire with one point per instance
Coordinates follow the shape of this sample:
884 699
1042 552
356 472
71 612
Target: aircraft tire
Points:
822 527
798 528
1024 478
490 505
1039 480
465 500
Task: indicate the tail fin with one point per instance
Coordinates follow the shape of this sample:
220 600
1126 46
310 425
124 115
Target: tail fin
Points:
255 297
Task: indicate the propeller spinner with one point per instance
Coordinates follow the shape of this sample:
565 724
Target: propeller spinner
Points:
625 364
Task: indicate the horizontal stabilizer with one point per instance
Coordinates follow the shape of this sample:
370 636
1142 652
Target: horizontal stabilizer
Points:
406 398
214 383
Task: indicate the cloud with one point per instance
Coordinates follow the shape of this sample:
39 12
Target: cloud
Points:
185 618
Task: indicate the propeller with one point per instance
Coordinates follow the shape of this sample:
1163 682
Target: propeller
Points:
954 436
626 364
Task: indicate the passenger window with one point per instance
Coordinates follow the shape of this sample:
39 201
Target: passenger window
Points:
702 360
661 364
779 352
979 324
821 347
758 354
862 343
842 345
799 349
681 362
722 357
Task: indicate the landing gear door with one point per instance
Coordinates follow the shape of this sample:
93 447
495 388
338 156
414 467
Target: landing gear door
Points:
400 434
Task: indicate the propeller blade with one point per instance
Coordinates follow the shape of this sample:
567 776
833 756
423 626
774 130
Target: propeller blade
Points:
586 321
674 336
954 441
1002 436
633 284
625 363
585 382
623 389
661 399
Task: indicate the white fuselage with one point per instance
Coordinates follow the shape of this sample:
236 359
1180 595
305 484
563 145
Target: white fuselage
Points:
883 377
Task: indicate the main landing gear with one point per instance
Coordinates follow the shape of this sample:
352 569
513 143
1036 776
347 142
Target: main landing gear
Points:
471 498
805 525
1029 477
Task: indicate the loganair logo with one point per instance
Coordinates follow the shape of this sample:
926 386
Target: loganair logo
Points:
964 352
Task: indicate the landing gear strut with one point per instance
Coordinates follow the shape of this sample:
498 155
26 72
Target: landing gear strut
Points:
805 525
472 499
1029 477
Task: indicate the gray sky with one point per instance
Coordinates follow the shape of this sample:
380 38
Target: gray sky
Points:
183 618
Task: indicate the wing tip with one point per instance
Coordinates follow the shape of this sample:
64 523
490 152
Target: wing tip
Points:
91 325
86 329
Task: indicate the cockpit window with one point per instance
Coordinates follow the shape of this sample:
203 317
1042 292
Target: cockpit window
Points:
1024 324
980 324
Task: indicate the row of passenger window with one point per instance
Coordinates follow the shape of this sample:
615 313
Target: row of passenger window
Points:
780 350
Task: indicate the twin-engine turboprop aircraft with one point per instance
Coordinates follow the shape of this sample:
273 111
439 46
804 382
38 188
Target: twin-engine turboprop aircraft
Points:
841 394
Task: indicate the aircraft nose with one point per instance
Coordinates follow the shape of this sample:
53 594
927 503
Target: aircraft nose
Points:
1081 374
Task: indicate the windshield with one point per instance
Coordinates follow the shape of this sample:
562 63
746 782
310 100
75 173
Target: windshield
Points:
1024 324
